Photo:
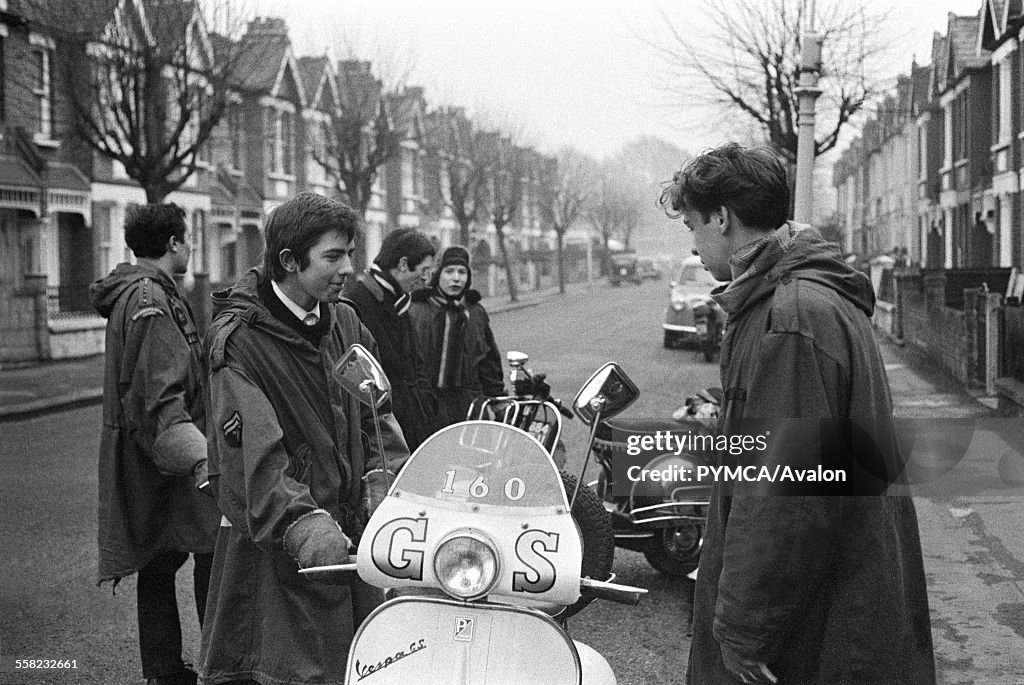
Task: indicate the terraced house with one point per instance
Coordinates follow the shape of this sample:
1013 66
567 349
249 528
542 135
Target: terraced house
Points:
957 293
245 124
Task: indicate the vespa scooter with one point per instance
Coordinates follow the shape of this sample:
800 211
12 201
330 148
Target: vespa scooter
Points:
476 537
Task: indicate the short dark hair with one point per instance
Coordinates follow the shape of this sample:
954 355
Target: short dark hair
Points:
752 182
299 223
404 242
147 228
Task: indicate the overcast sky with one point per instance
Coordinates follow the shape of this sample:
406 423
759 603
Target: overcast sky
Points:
565 71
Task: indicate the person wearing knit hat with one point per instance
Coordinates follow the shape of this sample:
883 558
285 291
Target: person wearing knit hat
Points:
454 336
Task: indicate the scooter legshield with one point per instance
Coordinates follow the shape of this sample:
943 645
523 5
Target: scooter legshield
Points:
427 640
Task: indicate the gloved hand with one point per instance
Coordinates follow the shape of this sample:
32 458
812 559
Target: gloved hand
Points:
746 669
201 477
316 539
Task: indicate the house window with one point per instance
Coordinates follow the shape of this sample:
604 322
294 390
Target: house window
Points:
3 79
272 137
41 58
235 134
287 142
1003 83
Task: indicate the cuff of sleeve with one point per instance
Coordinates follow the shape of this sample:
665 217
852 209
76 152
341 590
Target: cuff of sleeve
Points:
177 450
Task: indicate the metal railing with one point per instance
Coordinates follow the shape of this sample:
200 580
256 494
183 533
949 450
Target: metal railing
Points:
64 301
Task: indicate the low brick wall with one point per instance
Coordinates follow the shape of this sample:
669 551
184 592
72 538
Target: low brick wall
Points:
928 324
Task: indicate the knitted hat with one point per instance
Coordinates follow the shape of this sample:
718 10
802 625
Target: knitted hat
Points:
456 255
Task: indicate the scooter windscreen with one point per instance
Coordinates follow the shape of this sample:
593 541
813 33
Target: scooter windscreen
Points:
478 510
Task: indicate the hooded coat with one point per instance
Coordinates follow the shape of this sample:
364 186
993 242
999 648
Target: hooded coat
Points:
152 393
823 589
480 359
285 440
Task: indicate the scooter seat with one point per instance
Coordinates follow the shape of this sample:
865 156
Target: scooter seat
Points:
619 429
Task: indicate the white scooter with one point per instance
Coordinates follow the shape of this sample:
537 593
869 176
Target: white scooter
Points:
476 540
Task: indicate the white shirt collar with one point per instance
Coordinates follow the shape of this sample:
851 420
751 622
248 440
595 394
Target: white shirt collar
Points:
295 309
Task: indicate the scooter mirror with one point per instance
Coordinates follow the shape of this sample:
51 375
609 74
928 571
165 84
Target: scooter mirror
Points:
517 358
609 390
359 373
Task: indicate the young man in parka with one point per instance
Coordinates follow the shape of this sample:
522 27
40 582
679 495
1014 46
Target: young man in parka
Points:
287 458
382 294
152 449
807 587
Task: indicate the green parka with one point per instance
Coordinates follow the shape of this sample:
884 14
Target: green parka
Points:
153 395
823 589
285 439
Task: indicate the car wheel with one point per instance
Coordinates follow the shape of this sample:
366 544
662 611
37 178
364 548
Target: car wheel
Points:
670 340
676 551
712 344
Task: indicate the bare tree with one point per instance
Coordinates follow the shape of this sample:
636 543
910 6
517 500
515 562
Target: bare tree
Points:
745 61
360 137
503 192
570 181
146 82
462 157
616 210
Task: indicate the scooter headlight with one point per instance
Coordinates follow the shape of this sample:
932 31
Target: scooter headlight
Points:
466 564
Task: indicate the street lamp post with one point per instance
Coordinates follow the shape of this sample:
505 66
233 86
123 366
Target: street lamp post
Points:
807 92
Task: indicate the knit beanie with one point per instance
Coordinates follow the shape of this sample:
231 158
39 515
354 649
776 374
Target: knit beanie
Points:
456 255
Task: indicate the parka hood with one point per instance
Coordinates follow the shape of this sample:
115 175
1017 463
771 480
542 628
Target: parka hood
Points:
104 292
795 251
242 300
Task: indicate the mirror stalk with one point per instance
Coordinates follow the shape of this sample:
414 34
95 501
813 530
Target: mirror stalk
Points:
597 405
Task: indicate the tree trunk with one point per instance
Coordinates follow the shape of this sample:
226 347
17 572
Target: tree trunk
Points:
464 234
509 275
559 237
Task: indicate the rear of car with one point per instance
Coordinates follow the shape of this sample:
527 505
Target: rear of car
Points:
690 306
624 268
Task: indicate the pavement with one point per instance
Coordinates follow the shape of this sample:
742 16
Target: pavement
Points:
33 390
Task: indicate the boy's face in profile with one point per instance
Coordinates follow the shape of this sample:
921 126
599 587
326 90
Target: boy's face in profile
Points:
709 240
330 263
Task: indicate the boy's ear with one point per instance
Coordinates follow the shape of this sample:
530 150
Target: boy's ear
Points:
288 261
403 264
726 215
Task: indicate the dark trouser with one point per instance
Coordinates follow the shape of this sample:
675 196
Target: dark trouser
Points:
159 623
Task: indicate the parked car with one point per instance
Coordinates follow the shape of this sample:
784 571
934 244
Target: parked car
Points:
648 269
624 268
692 317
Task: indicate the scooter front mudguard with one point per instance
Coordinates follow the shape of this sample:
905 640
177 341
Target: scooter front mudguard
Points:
427 640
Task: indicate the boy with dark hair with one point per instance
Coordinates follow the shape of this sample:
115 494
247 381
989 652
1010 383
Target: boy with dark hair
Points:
816 588
382 294
152 461
287 457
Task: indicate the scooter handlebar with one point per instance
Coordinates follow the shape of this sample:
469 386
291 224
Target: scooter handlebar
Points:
613 592
333 568
562 410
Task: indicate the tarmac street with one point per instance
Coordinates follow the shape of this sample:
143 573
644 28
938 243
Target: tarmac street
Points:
969 514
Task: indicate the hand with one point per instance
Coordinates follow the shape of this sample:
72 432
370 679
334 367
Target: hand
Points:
317 540
746 669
